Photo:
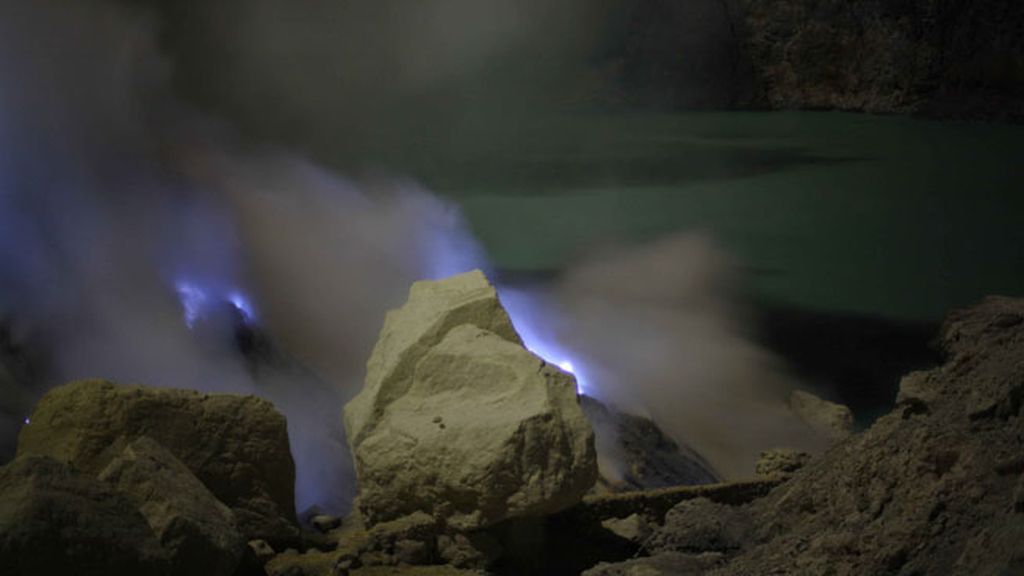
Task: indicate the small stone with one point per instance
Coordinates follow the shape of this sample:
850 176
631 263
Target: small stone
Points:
325 523
781 462
262 549
469 551
915 393
832 420
633 528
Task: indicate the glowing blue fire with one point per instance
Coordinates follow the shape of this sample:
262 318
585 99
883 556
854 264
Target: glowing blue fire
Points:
193 301
243 305
196 301
529 314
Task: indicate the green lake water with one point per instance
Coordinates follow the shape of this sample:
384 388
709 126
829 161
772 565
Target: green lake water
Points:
878 215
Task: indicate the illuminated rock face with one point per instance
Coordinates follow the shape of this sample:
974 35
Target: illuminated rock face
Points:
458 420
236 445
433 309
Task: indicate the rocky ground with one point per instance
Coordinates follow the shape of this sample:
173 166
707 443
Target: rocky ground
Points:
113 479
934 487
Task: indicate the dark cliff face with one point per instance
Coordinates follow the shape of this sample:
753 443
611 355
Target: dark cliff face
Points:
952 58
947 58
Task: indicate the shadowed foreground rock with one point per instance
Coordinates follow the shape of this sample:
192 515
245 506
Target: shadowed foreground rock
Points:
55 520
196 529
458 420
236 445
932 488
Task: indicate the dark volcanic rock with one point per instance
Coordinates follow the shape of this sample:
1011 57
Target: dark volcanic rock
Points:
236 445
196 529
664 564
924 488
55 520
781 462
932 488
944 58
643 456
952 59
698 526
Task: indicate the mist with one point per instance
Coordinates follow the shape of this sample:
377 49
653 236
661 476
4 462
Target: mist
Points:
130 223
660 330
135 219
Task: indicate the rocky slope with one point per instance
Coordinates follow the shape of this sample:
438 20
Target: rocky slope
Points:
935 487
127 480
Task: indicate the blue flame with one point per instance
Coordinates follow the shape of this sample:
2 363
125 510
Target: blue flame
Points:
196 301
193 301
536 327
243 305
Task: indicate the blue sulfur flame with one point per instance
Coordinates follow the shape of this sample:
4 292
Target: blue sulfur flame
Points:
196 301
534 325
193 301
243 305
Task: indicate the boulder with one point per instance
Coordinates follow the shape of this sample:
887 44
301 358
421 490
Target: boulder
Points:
56 520
458 420
432 310
635 454
195 528
831 420
485 432
261 551
236 445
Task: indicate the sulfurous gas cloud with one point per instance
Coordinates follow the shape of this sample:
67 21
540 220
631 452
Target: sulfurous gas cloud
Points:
141 234
131 225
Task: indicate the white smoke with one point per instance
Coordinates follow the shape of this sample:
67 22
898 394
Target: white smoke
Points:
657 330
120 207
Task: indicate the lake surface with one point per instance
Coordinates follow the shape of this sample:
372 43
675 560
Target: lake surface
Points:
841 212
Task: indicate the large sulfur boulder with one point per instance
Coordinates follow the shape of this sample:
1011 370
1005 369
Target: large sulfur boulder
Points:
433 309
458 420
56 520
196 529
236 445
